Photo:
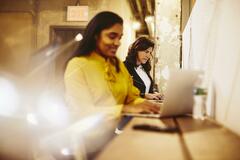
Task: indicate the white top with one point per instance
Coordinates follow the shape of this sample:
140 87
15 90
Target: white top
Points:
143 75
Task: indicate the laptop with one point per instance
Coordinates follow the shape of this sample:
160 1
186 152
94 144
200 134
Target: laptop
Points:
178 96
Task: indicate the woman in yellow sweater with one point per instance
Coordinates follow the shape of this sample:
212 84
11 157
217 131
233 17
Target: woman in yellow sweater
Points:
95 79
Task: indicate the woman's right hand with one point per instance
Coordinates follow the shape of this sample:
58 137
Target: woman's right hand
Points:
144 107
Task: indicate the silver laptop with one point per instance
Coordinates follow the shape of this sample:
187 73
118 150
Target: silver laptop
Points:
178 96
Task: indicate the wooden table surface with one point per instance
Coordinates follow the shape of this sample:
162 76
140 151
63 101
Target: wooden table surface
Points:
195 139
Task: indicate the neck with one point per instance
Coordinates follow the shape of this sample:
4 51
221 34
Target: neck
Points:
138 63
101 54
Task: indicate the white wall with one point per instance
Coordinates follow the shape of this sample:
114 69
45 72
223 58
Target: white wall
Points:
211 43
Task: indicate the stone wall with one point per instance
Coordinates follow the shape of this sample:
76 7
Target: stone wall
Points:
167 38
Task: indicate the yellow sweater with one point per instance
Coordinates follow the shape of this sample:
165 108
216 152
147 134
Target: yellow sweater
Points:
92 84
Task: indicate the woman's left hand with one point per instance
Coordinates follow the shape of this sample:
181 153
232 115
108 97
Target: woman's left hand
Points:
153 96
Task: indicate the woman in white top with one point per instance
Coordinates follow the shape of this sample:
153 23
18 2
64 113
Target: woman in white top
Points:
138 64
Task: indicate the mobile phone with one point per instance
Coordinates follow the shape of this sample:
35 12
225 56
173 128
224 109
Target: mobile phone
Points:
147 127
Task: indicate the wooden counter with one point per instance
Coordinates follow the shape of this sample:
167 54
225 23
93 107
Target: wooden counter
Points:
195 139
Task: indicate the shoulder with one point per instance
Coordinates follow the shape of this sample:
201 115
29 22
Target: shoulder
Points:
76 63
122 66
121 63
128 65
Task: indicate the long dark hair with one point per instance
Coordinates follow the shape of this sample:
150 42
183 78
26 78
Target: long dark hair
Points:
99 22
141 44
